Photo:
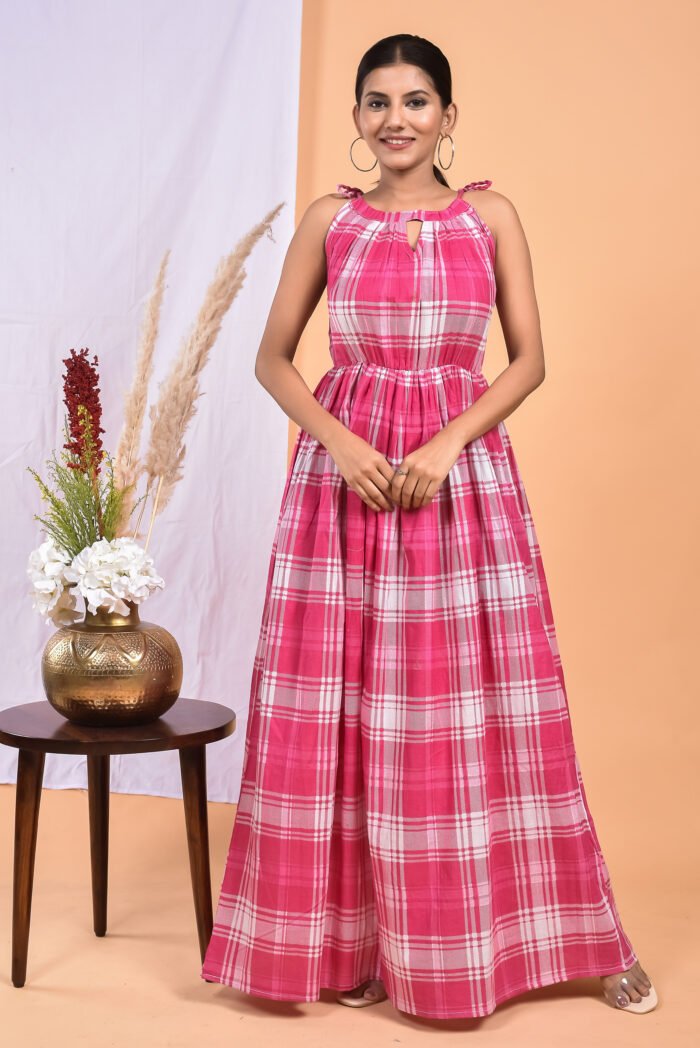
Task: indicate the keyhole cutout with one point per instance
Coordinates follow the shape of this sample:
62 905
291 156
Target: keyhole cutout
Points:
413 239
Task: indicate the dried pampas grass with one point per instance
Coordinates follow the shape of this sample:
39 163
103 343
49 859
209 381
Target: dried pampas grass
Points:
127 466
179 391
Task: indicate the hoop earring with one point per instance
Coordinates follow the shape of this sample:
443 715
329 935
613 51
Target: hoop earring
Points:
442 139
359 139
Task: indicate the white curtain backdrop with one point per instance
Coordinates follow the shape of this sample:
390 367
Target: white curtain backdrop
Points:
127 129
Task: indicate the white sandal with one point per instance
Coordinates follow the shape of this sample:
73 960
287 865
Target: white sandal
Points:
645 1005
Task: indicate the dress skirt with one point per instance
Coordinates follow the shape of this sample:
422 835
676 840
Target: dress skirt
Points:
412 806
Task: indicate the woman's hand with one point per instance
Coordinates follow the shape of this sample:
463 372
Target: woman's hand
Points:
426 467
364 468
374 479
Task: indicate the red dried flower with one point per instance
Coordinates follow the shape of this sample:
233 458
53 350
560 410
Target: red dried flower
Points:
81 387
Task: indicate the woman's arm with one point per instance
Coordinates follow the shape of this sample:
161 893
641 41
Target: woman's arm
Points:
520 320
300 287
301 284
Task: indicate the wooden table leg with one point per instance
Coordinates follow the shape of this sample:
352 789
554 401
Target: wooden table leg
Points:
30 774
98 803
194 795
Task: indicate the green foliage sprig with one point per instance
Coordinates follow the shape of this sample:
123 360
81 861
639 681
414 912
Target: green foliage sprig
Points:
83 505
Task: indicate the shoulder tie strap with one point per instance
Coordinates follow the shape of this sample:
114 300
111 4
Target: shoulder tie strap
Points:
355 191
483 184
348 191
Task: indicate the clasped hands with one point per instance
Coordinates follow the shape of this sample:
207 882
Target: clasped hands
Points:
380 486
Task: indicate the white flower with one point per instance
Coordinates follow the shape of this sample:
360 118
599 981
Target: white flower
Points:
106 574
66 611
46 569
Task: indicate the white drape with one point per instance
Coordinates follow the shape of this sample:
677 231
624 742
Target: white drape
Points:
128 129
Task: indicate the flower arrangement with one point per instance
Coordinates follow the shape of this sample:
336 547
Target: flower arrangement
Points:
83 555
91 496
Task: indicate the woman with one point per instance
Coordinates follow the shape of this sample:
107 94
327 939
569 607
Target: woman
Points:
412 819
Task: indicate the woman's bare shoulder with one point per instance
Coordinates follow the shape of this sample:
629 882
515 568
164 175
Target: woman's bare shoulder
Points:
318 216
325 207
495 208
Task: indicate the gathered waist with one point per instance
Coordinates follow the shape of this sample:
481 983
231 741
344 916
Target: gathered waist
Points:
397 409
405 374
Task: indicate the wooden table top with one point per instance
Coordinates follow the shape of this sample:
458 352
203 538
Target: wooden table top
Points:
189 722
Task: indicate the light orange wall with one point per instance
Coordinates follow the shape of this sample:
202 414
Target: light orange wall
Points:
582 114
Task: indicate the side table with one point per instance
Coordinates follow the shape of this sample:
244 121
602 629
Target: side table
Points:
36 729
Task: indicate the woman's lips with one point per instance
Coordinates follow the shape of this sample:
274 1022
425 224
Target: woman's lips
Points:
392 145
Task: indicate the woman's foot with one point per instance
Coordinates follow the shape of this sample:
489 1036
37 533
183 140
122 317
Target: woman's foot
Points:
631 990
369 992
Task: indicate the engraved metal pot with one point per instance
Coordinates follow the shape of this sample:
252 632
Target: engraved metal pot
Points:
112 669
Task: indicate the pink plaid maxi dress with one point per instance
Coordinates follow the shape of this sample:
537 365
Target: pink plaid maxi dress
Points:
411 806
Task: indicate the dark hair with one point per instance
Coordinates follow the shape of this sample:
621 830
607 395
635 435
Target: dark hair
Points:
413 50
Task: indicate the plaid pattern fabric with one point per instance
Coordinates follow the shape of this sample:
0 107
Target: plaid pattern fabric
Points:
411 806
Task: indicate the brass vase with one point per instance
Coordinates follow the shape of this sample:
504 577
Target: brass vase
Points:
112 670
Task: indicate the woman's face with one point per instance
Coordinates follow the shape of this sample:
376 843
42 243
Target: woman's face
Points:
400 102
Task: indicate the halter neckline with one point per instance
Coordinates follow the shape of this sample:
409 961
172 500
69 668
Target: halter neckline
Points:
357 196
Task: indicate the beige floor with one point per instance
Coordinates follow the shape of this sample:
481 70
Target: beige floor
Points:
140 984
